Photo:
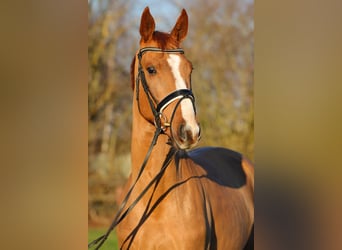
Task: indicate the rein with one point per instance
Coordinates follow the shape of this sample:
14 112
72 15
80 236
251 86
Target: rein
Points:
120 216
157 110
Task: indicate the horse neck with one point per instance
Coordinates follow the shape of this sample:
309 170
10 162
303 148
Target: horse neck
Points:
142 136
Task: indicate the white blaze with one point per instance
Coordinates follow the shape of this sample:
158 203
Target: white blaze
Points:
187 108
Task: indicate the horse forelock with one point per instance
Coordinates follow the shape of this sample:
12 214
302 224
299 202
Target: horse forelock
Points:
162 40
165 40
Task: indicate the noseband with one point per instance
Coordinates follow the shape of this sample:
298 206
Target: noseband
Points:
157 108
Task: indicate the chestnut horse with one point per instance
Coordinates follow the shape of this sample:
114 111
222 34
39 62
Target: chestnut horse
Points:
177 198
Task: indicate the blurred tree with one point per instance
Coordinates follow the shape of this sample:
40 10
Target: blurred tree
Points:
109 95
109 101
220 45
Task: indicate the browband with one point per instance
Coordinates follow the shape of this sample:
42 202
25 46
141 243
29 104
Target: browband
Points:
154 49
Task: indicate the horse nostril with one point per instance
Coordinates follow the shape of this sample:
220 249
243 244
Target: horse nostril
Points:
187 136
186 133
182 132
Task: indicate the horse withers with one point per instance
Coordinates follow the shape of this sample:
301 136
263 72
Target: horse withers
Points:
178 198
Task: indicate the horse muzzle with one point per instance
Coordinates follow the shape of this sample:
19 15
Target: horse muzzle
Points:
188 136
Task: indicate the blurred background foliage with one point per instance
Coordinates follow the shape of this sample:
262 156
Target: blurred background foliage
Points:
220 45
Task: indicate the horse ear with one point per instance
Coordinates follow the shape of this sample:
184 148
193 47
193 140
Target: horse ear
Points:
147 25
180 29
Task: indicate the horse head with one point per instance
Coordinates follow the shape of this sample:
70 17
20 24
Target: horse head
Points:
161 78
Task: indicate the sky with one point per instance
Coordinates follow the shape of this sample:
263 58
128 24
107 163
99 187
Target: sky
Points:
164 12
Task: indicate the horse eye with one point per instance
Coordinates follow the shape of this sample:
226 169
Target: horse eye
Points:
151 70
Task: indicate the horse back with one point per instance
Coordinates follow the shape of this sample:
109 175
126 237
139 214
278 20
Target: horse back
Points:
228 181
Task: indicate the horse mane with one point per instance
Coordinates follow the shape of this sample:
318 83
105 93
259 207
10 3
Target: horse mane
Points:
164 41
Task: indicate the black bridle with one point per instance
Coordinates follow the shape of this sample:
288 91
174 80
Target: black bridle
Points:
157 110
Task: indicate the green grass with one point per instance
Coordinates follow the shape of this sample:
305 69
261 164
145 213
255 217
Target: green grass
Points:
110 244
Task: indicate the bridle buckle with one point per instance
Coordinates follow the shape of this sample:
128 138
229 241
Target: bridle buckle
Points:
162 122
